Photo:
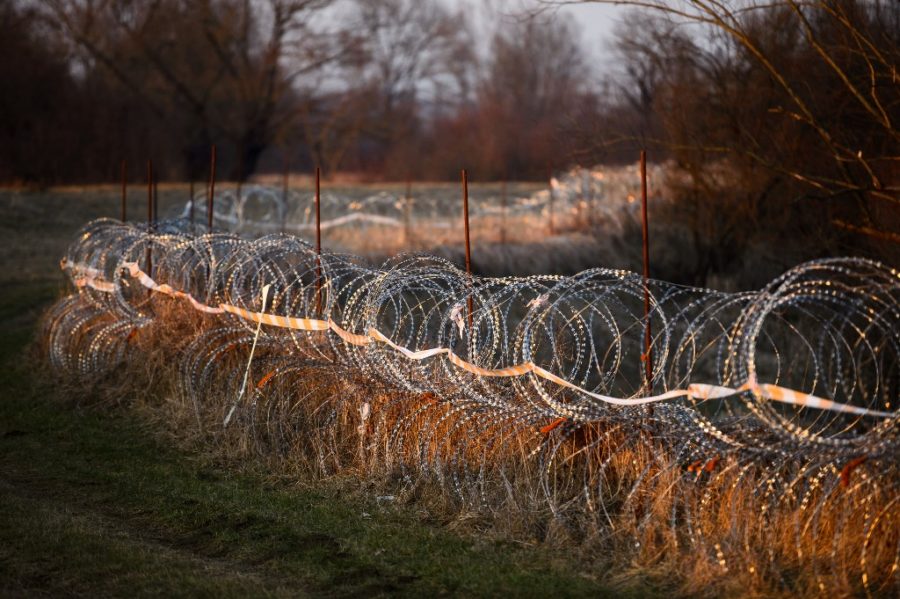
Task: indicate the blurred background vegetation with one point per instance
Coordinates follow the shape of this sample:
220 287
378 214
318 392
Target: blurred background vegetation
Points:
777 121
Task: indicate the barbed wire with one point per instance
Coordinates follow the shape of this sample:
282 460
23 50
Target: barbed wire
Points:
256 209
785 396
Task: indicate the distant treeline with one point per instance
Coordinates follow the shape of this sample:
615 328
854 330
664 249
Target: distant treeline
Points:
394 88
779 119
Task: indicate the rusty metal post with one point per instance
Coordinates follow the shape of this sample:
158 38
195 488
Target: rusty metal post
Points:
648 356
318 244
550 203
284 193
149 252
240 178
211 196
124 189
581 212
590 205
149 194
407 209
503 210
465 186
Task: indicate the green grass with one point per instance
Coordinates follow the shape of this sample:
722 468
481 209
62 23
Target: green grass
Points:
95 503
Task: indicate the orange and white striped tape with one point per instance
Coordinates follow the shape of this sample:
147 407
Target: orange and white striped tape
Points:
89 277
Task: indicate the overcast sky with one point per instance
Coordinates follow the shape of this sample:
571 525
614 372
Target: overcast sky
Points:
597 21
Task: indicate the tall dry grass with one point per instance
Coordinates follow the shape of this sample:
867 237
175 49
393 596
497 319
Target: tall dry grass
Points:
614 498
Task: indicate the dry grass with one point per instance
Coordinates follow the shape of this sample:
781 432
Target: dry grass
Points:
614 498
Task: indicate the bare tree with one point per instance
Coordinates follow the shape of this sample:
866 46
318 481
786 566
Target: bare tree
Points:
419 63
332 124
369 109
414 48
219 68
35 80
798 102
532 86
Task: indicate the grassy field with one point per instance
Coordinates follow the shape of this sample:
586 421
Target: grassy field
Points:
99 502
